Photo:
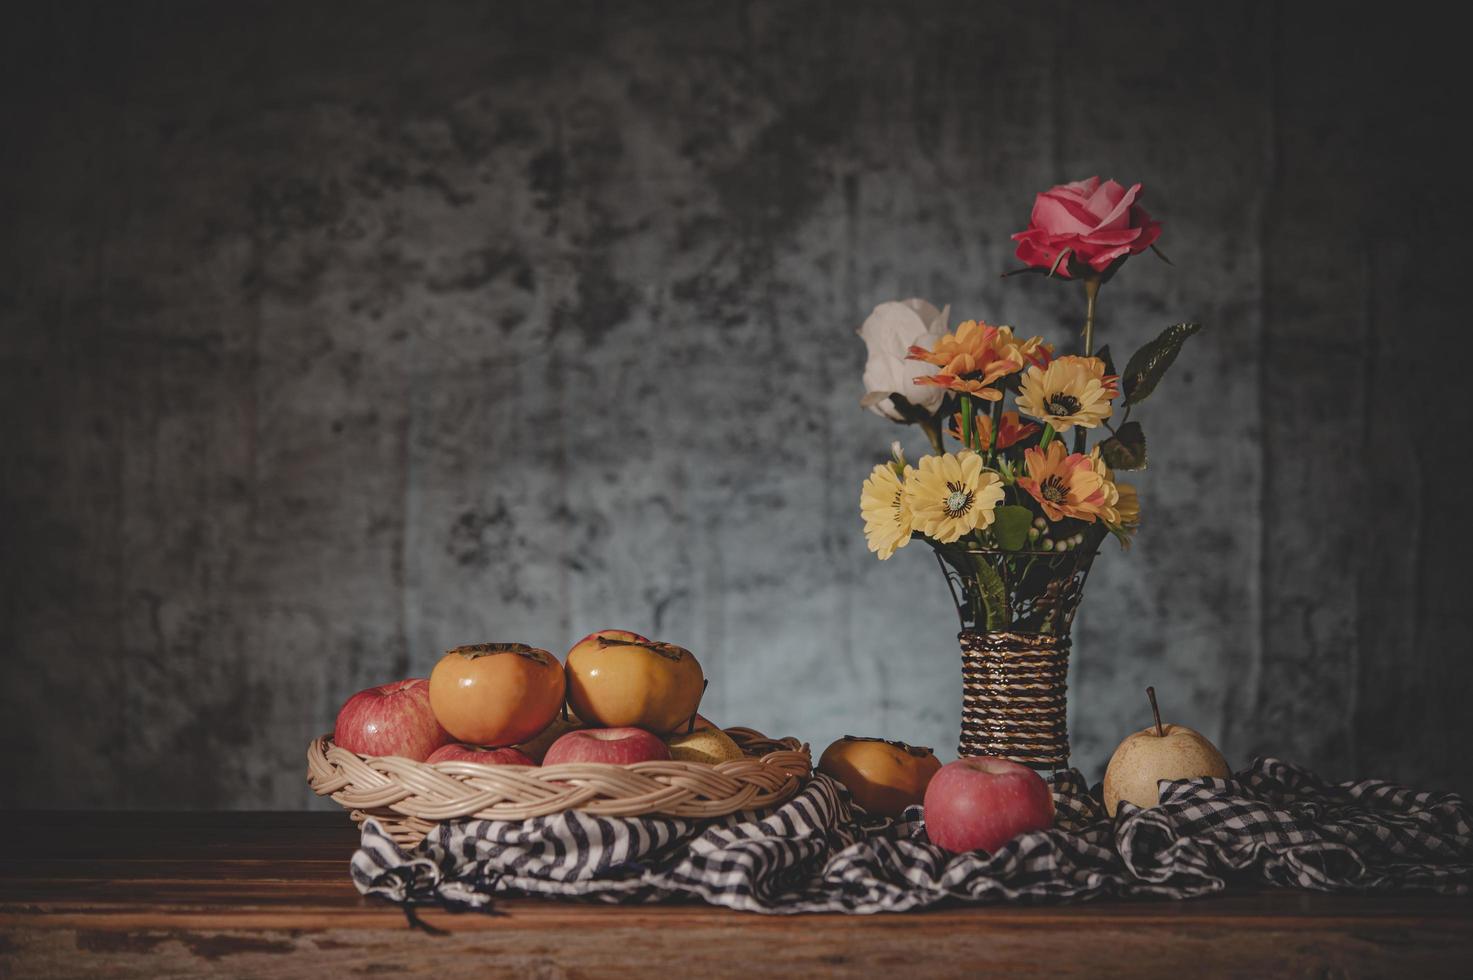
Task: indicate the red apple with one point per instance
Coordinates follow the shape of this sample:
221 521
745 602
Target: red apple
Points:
620 746
536 747
393 719
460 752
980 803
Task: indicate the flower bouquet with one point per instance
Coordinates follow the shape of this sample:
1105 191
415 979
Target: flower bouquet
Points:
1018 509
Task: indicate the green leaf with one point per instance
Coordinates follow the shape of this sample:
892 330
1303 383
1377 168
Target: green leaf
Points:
994 592
1010 526
1126 450
1148 364
1104 354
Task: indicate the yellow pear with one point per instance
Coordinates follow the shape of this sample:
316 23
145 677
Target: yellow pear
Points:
1160 752
708 745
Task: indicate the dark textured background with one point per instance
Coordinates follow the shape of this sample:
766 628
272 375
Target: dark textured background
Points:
333 335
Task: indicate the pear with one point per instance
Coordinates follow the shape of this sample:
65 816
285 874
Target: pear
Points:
1160 752
708 745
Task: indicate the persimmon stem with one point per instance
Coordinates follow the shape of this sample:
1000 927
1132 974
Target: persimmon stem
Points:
691 725
1151 693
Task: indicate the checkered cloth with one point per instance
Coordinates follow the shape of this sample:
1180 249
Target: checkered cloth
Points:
1272 824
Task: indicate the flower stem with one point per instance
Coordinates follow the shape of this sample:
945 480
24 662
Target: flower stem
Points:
1047 437
996 427
966 405
1091 292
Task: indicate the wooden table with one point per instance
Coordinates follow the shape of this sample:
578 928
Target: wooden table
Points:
240 894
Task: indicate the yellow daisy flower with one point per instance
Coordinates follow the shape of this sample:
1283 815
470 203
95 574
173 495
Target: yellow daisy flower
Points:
1129 506
1070 391
886 511
1067 484
1109 512
951 495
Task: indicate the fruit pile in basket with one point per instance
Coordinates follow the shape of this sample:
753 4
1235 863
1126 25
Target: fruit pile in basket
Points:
620 698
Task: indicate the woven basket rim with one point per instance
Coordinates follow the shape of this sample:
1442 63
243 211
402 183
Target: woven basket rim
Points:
408 798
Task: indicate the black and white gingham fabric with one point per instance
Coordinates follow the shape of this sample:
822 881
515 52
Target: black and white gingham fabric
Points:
1271 824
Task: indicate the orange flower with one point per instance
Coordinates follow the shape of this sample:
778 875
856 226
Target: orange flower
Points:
1011 432
963 346
1067 484
976 387
975 357
1035 351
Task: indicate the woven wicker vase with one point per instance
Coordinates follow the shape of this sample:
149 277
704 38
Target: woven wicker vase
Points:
1016 611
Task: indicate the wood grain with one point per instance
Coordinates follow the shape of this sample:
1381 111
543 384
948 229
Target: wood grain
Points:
257 894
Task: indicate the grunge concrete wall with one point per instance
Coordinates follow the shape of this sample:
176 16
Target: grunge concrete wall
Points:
334 335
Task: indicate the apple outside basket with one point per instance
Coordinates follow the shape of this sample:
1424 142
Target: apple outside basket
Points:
409 798
1016 610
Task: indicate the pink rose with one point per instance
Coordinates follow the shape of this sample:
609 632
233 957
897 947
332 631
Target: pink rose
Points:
1098 223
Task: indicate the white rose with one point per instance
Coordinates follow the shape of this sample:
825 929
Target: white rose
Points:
889 333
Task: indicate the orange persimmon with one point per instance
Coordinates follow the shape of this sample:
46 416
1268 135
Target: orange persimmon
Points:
883 777
496 694
617 683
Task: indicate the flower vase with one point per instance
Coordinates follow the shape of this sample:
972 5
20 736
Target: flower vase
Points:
1016 610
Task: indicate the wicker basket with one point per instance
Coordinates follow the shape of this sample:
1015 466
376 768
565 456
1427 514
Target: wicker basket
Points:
408 798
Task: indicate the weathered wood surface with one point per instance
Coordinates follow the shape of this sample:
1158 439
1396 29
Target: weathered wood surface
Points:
153 895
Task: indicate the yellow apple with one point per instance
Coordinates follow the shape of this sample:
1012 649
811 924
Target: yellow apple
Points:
708 745
618 683
1159 752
